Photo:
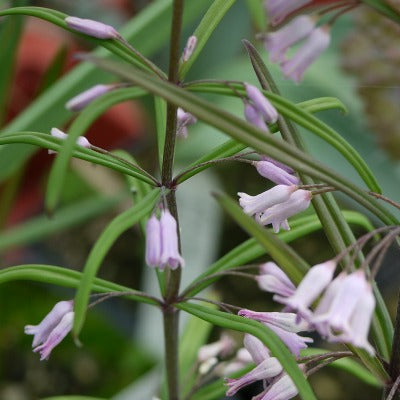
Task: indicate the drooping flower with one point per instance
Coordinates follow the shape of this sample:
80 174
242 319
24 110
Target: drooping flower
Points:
55 336
312 285
268 368
153 242
272 279
316 43
80 101
92 28
281 389
275 174
184 119
277 43
189 48
49 322
278 10
81 141
256 348
277 214
256 204
261 103
169 242
254 117
220 348
283 166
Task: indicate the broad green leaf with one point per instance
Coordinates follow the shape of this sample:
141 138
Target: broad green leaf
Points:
281 253
66 277
384 9
268 337
78 128
206 27
49 142
40 227
107 238
139 31
10 32
249 134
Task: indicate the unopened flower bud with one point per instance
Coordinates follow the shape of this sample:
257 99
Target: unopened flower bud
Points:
189 48
92 28
80 101
261 103
81 141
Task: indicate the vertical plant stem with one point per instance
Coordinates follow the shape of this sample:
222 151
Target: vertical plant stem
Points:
171 316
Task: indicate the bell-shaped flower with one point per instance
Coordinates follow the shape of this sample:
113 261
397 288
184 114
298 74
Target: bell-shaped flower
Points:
153 242
81 141
92 28
253 117
277 215
256 204
261 103
184 119
275 174
281 389
267 369
312 48
256 348
294 342
169 239
277 43
313 284
350 291
278 10
56 336
80 101
49 322
286 321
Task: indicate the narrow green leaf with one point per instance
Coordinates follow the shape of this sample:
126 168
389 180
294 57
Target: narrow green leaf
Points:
206 27
257 14
40 227
74 398
249 134
48 142
282 254
78 127
107 238
268 337
66 278
384 9
160 108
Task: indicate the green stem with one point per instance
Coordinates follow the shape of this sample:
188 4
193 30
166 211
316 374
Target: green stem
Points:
171 315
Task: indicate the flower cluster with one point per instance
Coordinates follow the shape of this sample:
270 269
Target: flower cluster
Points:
162 242
344 311
52 330
276 205
302 28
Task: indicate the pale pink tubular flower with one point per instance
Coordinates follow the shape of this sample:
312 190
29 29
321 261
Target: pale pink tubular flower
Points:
272 284
50 321
313 284
275 174
261 103
293 341
351 290
81 141
277 43
170 256
254 117
256 348
277 215
92 28
184 119
220 348
80 101
283 166
267 369
278 10
256 204
286 321
281 389
153 242
189 48
55 336
270 268
312 48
